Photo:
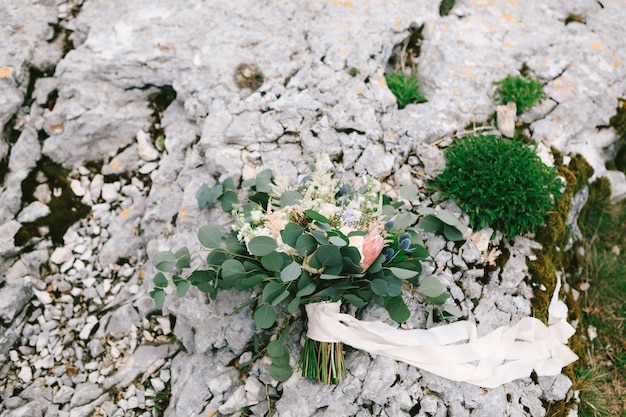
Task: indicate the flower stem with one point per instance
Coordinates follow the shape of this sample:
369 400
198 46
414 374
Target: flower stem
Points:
323 361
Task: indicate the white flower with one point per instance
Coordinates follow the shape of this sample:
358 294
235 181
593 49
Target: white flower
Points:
256 216
327 210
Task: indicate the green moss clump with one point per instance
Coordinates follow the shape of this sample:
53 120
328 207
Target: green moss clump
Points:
500 183
525 92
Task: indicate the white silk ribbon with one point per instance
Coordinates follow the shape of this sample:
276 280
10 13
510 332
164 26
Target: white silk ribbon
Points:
454 351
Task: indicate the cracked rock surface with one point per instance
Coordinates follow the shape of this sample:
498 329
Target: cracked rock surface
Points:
114 113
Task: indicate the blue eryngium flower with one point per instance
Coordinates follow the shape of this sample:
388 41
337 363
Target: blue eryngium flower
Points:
390 225
405 241
388 252
345 190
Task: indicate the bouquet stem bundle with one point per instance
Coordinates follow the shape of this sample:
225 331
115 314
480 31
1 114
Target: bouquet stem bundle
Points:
323 361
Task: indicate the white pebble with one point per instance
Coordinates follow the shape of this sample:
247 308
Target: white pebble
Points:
88 282
109 192
157 384
43 296
80 249
133 289
96 185
164 322
26 374
77 188
60 255
14 355
133 402
148 168
115 352
86 331
66 265
145 150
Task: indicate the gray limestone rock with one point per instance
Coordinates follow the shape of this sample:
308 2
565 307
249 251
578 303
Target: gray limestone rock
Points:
13 298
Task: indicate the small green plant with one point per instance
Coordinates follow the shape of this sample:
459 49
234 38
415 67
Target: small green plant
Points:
500 183
525 92
405 87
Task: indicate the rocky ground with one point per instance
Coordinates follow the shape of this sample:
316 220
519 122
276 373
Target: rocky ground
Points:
115 112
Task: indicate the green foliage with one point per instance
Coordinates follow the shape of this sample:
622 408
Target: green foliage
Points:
500 183
525 92
405 88
315 257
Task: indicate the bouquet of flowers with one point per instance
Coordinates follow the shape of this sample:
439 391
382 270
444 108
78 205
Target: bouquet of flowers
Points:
320 241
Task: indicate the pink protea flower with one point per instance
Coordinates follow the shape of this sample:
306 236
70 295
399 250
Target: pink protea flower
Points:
373 245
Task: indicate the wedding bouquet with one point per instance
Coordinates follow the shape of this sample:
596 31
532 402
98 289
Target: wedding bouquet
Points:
319 241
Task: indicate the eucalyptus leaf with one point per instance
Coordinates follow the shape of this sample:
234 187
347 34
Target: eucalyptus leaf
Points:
328 255
408 192
316 216
199 276
306 290
160 280
452 310
440 299
320 237
272 290
430 319
379 286
216 258
234 245
211 236
397 310
403 273
164 261
290 272
281 360
430 224
182 287
452 233
430 287
306 245
332 276
275 348
264 316
289 198
229 199
233 271
158 295
206 195
262 245
404 220
337 241
280 373
356 301
420 252
183 257
264 181
249 282
291 233
273 261
394 289
293 305
282 296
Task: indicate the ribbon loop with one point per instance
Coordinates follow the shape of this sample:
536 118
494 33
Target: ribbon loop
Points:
453 350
